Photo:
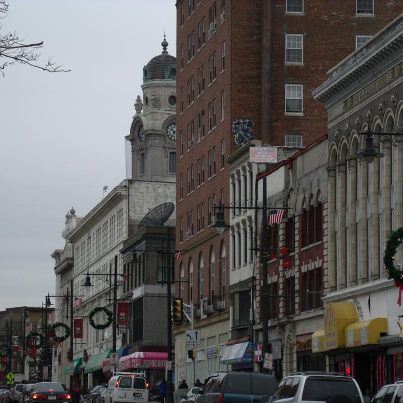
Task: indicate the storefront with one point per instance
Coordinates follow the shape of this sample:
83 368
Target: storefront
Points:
93 369
353 345
152 363
308 358
74 370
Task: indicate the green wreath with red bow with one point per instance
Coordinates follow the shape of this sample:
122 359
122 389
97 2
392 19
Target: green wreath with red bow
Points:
394 241
57 325
32 340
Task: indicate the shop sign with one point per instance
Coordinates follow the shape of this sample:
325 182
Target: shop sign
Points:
304 342
268 361
263 155
78 328
212 352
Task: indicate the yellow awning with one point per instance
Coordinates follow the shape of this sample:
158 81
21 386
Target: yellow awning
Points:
365 332
318 341
336 317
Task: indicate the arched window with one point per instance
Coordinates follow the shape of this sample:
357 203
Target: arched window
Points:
311 221
212 275
318 216
201 277
190 283
182 283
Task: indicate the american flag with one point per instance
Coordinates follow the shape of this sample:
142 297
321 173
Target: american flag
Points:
276 216
178 254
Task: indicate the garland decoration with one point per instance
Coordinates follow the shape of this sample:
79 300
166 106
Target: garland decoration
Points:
57 325
395 239
31 340
104 325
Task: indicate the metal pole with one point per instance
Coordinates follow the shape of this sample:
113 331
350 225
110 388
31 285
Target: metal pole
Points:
71 329
115 297
25 313
169 321
265 287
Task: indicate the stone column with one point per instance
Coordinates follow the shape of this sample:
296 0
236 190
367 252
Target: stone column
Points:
363 223
352 225
386 192
374 220
399 181
332 273
342 234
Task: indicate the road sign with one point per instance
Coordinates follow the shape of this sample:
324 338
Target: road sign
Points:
10 378
192 337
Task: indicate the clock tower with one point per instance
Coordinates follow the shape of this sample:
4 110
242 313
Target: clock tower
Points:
153 130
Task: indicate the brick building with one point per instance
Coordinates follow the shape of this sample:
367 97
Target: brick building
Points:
242 68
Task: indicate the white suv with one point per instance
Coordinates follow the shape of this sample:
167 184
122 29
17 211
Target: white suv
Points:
15 392
309 387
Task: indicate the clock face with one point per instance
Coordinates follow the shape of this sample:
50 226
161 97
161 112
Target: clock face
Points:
140 133
171 131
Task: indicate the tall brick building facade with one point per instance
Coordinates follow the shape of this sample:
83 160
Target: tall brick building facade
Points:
254 60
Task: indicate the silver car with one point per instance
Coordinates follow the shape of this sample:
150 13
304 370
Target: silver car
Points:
318 387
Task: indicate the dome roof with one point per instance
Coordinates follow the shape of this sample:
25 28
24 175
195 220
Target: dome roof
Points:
161 67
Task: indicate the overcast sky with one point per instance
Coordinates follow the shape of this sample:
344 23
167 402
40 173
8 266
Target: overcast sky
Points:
62 135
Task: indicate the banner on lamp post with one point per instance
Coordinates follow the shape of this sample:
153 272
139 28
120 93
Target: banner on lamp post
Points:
78 328
122 313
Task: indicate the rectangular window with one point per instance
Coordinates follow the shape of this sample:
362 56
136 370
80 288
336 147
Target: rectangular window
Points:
289 296
210 69
293 140
223 56
182 56
181 186
182 14
203 30
192 178
213 160
189 47
181 229
212 118
188 181
199 34
290 234
209 211
222 154
222 105
245 246
203 78
193 40
210 164
202 215
293 98
361 40
294 48
199 81
181 142
365 7
214 65
172 162
202 169
311 289
198 173
294 6
198 225
192 89
273 301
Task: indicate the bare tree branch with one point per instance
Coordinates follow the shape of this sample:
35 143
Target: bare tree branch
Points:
15 50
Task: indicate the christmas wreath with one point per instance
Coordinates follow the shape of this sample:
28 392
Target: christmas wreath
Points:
31 340
395 239
57 325
108 314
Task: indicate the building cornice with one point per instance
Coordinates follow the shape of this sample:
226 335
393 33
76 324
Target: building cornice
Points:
118 194
357 64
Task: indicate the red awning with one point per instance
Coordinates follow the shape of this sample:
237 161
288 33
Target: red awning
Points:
143 360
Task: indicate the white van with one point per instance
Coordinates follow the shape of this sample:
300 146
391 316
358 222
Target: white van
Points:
127 387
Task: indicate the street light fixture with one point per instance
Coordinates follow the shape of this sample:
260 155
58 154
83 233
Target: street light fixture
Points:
370 153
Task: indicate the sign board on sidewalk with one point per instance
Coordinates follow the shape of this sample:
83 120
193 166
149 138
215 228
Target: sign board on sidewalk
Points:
192 337
268 361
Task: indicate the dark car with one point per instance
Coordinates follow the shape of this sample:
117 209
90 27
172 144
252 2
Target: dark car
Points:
44 392
234 387
93 394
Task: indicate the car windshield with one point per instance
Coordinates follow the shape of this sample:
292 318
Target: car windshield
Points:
49 387
321 388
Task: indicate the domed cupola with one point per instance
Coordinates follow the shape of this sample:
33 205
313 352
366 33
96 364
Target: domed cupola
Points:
161 67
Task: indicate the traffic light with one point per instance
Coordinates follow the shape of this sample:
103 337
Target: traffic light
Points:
177 310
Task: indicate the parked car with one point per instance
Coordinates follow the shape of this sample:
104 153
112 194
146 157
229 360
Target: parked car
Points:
15 392
318 387
127 387
389 394
4 395
43 392
26 392
234 387
93 394
192 395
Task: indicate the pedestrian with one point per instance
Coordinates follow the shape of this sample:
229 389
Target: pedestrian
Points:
163 391
198 383
183 385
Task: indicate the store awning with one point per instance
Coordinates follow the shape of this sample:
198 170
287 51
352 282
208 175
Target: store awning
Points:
365 332
75 368
94 363
318 341
237 353
143 360
337 316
